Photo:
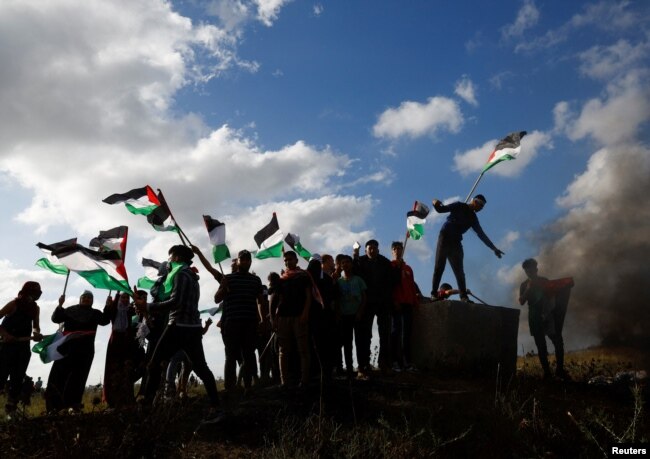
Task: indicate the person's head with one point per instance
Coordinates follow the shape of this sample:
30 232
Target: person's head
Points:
86 299
290 259
31 289
140 295
372 248
346 265
124 298
328 263
314 267
478 203
530 267
397 248
338 260
244 261
446 287
274 279
181 254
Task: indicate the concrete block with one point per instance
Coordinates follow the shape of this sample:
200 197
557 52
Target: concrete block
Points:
465 338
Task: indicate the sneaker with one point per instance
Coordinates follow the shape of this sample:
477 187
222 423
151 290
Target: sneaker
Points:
464 299
411 368
397 368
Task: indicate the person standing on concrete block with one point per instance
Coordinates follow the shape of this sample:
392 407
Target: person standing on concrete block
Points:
461 217
545 314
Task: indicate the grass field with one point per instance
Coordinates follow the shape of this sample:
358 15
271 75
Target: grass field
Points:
405 415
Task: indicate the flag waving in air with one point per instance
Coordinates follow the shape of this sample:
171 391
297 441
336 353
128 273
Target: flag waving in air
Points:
50 262
100 269
144 201
415 220
217 235
508 148
113 240
151 273
294 242
269 240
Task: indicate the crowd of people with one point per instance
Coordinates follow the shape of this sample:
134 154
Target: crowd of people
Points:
302 323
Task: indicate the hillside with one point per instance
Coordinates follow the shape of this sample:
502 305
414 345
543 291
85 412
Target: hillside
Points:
403 415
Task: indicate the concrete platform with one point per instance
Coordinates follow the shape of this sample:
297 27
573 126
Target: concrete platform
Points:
465 338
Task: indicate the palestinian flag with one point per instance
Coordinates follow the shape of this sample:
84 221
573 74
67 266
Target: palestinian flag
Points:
48 348
161 219
104 270
139 201
217 235
294 242
415 220
507 148
269 240
151 269
113 240
50 262
144 201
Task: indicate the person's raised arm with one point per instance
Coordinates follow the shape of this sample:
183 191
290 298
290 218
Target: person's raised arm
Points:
207 265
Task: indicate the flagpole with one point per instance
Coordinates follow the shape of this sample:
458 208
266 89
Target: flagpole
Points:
408 235
186 242
474 187
65 286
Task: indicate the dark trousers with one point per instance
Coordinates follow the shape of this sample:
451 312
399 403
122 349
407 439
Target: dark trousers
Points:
401 334
14 359
452 251
68 376
542 351
173 339
349 329
239 339
382 311
323 330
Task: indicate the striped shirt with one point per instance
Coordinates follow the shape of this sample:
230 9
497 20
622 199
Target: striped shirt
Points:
240 301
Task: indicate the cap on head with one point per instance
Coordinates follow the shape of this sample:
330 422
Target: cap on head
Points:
480 197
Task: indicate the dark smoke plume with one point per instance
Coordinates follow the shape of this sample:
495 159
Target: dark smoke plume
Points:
604 243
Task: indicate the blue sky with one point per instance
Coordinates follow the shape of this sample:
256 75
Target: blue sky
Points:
336 115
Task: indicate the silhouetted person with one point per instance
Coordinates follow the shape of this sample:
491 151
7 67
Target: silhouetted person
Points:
461 218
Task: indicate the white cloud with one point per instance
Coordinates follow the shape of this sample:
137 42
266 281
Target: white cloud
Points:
527 17
466 90
500 78
508 240
318 9
268 10
473 161
415 119
605 15
234 14
617 117
603 62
